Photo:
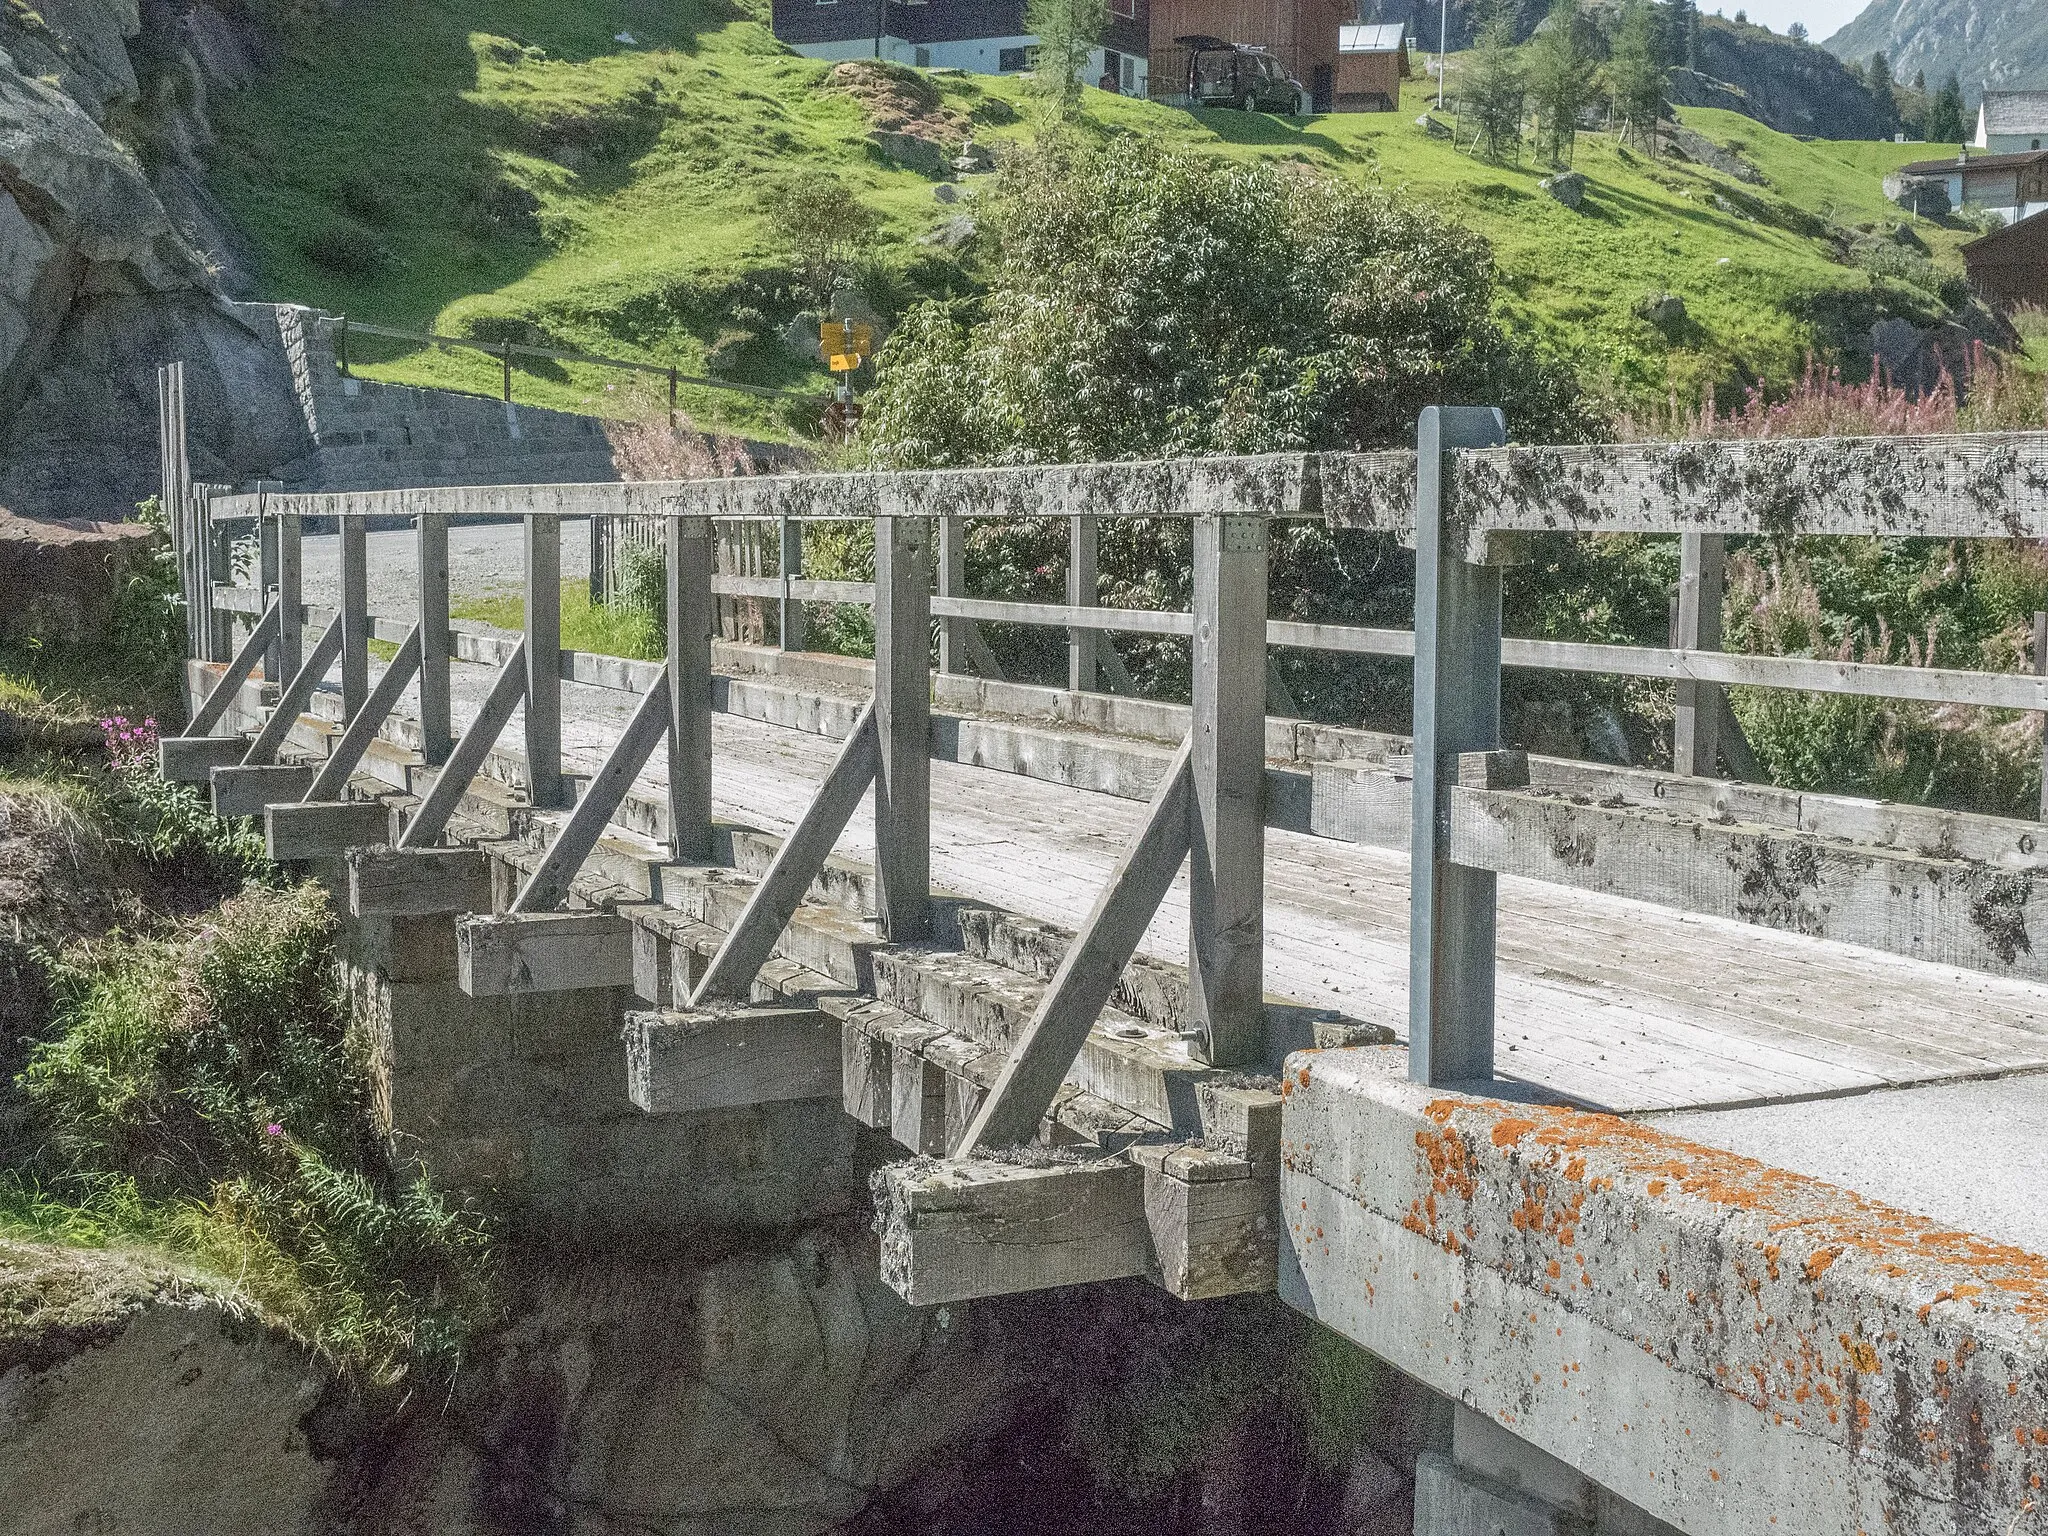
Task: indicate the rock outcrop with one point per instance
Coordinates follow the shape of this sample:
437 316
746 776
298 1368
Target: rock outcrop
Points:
99 283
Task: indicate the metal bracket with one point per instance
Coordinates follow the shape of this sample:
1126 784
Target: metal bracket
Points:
1245 535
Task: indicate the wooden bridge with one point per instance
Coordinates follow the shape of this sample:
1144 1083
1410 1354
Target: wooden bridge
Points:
1109 987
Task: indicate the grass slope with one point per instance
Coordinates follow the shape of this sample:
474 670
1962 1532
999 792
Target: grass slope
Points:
474 164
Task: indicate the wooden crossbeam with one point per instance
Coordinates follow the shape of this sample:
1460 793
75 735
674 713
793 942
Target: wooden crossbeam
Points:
522 953
362 730
297 694
467 760
250 789
797 862
192 759
222 694
417 882
691 1061
322 829
548 886
1046 1050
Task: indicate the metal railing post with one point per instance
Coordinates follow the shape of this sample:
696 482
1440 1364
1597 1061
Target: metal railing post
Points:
1227 824
903 703
437 726
691 618
1696 721
543 634
1082 583
355 614
1457 709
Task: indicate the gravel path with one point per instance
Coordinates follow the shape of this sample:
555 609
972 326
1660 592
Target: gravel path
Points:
483 559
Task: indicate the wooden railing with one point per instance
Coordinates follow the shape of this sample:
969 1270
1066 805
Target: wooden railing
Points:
1467 504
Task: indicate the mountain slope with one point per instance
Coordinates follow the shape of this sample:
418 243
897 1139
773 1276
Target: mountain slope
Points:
1999 44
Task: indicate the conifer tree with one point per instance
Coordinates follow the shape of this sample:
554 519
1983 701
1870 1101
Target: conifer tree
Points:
1491 91
1068 32
1560 74
1945 121
1635 74
1878 77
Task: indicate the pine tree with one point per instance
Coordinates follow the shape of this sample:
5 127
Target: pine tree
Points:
1560 72
1491 90
1635 74
1945 121
1068 31
1682 45
1878 77
1797 31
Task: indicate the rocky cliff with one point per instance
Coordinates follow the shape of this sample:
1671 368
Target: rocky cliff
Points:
110 258
1994 44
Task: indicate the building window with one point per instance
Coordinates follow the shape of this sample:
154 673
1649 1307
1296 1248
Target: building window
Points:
924 58
1010 60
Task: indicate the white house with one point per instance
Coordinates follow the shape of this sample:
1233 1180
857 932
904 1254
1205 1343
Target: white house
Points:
2012 122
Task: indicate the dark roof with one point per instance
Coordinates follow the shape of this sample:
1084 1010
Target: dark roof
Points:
2031 228
1975 163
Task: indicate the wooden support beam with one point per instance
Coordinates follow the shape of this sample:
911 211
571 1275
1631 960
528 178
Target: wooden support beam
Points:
960 1230
250 789
1457 709
727 1058
355 615
692 617
1696 719
548 886
1088 973
1215 1220
917 1093
222 694
266 582
417 882
192 759
293 699
437 731
1227 829
1930 908
797 862
866 1074
318 829
903 724
291 613
467 760
519 954
1083 591
543 653
346 753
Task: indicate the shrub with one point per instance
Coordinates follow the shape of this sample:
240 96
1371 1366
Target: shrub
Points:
345 247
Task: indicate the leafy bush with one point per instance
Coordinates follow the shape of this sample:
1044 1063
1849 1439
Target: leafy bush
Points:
199 1088
345 247
170 825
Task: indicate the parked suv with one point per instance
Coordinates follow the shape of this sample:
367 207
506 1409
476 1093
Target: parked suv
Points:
1224 74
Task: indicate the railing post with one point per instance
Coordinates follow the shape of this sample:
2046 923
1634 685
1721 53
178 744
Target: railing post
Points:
2041 670
544 658
1082 549
505 363
903 702
355 615
437 727
1227 828
789 624
1457 709
691 618
267 555
216 549
291 614
952 583
1696 722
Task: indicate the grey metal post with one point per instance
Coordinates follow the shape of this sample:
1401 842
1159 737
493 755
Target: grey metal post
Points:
952 583
291 613
691 619
1696 723
1457 709
1227 829
789 626
437 727
1082 549
267 588
544 658
903 708
355 615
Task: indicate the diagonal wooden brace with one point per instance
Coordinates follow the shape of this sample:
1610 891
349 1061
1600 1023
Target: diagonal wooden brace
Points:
548 885
208 714
1045 1051
467 760
298 693
355 741
797 862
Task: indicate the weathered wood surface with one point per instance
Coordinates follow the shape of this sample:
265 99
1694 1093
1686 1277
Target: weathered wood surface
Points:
517 955
1929 909
244 661
1215 1220
347 751
957 1230
487 720
294 698
1989 486
242 789
316 829
192 759
417 882
685 1062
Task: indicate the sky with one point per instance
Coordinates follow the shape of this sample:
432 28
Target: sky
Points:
1823 18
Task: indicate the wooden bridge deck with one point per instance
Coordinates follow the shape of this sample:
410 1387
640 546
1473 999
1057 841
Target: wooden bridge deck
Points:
1617 1004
